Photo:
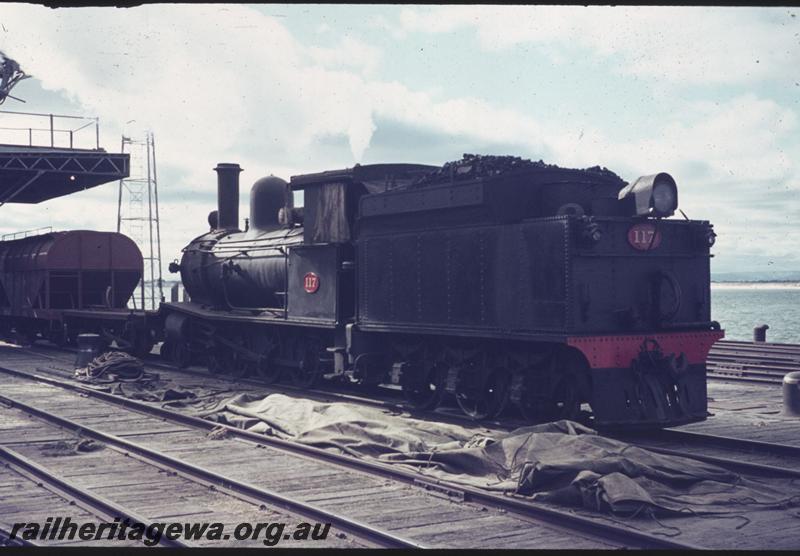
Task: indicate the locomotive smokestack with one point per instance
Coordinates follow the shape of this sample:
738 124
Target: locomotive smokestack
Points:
228 195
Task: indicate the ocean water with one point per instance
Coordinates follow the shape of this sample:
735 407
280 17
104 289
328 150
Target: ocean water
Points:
740 308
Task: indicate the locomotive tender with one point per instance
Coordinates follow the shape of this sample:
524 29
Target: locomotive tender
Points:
498 280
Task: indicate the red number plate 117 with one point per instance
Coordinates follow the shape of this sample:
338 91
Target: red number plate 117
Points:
644 236
311 282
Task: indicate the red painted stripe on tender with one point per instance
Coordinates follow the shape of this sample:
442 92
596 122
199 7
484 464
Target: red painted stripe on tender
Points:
604 352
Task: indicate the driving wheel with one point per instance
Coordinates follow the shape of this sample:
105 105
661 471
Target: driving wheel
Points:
488 399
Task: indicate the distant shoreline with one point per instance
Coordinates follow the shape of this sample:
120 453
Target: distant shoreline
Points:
757 285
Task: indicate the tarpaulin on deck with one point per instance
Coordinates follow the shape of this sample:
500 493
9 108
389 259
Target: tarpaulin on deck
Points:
562 462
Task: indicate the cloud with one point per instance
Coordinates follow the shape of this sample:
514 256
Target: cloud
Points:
209 75
228 83
349 53
680 44
746 137
215 81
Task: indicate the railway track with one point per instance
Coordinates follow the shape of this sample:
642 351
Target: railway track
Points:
737 361
380 397
6 540
772 458
192 480
149 471
385 398
396 403
757 362
753 457
574 529
97 505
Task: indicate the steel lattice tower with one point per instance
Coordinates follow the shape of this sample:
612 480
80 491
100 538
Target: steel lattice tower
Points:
138 218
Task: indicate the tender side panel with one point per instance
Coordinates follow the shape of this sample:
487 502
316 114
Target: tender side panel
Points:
485 279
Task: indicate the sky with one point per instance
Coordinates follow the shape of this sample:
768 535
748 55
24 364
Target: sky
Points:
710 95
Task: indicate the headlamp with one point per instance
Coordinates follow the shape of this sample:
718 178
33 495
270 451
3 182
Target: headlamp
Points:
654 195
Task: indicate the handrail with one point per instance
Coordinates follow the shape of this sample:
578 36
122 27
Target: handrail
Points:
52 128
26 233
43 114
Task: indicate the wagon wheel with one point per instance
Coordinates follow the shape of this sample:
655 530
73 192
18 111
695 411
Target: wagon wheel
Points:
566 402
267 371
490 399
428 392
178 353
534 405
239 366
310 369
540 403
264 368
217 361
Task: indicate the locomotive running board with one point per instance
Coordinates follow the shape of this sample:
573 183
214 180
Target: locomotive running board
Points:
195 310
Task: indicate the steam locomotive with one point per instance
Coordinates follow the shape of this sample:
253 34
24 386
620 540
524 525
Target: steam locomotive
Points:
495 280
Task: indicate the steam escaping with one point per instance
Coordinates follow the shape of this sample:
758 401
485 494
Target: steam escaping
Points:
359 134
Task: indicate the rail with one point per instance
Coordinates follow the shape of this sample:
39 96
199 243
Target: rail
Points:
6 540
100 505
514 505
380 537
753 361
703 443
45 124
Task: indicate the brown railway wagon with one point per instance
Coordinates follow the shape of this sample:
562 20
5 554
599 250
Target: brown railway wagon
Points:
59 284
